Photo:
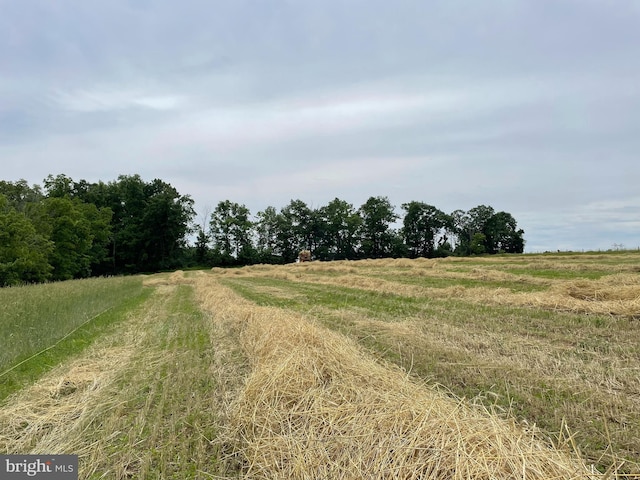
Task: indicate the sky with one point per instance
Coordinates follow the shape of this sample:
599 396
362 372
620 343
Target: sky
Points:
529 106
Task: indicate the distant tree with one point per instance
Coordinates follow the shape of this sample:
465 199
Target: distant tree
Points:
502 234
460 231
339 224
423 225
231 231
20 195
267 229
202 246
477 245
70 232
99 220
376 236
465 226
166 222
149 225
303 224
59 186
23 251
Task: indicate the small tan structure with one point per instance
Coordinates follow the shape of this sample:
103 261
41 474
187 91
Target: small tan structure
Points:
304 256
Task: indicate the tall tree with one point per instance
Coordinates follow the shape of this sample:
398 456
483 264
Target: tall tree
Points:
20 195
302 221
339 222
376 236
23 251
231 230
423 225
201 246
468 226
166 221
59 186
267 229
149 225
502 234
71 235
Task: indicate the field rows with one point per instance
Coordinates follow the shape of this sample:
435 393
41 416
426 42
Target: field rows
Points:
523 339
371 369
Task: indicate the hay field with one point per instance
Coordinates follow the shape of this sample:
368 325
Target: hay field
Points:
548 340
493 368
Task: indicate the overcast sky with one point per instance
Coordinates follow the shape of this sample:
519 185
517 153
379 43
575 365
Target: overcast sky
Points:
532 107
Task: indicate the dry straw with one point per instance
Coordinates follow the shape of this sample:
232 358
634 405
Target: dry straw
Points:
317 406
38 418
614 294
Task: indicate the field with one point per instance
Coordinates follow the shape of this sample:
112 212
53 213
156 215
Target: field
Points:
488 367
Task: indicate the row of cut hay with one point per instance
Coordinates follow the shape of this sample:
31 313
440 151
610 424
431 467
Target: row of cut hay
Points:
370 269
316 406
38 418
611 287
163 279
617 294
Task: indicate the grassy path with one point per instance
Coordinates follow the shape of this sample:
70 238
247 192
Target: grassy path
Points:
147 402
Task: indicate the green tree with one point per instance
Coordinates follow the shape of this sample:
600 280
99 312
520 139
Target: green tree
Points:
149 225
423 224
466 225
20 195
59 186
376 236
231 231
267 228
477 245
70 232
23 251
165 221
339 223
303 225
202 247
502 234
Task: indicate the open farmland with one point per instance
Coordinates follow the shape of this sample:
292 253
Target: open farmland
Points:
551 340
496 367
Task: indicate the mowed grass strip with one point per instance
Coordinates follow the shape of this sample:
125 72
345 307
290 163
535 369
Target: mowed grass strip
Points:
43 325
147 401
544 367
169 404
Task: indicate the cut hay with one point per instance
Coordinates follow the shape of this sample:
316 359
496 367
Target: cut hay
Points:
615 294
317 406
38 418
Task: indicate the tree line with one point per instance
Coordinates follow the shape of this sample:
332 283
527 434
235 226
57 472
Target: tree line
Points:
340 231
67 229
79 229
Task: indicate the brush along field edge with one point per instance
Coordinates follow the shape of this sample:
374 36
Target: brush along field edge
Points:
316 405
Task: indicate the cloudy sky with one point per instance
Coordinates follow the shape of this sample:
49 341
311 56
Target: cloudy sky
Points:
530 106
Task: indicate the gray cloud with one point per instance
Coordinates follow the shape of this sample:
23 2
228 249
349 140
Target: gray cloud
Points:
529 106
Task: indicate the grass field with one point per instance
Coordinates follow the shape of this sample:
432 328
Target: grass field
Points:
43 324
490 367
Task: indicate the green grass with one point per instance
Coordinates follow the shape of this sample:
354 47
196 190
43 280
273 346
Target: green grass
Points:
165 416
59 320
307 295
560 274
441 282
